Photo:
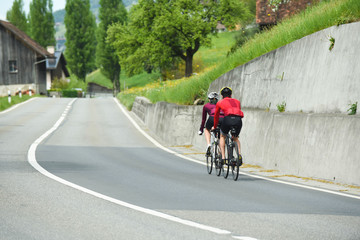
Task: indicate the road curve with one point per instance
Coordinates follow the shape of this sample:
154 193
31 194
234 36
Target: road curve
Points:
97 148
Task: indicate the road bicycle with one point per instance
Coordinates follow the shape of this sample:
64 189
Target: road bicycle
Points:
233 160
213 159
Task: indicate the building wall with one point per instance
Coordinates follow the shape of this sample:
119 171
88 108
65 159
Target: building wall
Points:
266 16
41 78
12 49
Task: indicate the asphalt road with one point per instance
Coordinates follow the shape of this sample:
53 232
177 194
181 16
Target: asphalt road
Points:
130 189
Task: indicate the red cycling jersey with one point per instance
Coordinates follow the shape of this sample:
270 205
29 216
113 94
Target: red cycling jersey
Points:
230 106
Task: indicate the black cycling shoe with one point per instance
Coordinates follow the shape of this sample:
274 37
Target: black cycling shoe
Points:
222 161
240 160
233 162
208 153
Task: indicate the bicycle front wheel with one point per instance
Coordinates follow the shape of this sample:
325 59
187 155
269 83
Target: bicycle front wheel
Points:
235 164
225 166
217 160
210 160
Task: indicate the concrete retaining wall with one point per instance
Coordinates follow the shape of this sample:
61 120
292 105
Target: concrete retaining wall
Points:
313 138
304 74
173 124
323 146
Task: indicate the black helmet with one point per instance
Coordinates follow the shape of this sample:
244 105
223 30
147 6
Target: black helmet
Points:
226 91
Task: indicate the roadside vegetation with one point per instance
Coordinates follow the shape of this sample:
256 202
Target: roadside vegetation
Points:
185 91
4 103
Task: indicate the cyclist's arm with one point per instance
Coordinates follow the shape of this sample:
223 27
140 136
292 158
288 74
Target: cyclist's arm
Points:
216 116
204 112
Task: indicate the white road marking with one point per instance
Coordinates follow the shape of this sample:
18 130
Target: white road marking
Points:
156 143
35 164
244 238
244 173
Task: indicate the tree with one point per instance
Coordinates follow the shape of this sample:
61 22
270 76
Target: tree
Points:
173 29
110 12
41 22
80 37
16 15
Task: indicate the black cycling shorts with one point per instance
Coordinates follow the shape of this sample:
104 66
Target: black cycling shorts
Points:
210 122
231 121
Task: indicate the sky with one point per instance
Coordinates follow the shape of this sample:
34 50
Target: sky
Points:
6 5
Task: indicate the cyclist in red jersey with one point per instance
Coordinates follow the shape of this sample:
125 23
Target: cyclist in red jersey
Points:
233 118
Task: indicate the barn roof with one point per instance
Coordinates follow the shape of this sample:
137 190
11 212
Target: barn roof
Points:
24 38
52 63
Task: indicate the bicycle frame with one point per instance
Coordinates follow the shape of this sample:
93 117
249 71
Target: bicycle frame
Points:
215 138
215 152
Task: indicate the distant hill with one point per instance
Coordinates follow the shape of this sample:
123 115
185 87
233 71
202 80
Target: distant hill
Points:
94 7
60 26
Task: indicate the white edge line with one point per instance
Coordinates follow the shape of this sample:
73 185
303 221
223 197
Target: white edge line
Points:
35 164
242 172
17 105
156 143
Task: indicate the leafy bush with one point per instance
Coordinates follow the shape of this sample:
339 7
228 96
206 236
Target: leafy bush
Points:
59 84
70 93
281 107
352 109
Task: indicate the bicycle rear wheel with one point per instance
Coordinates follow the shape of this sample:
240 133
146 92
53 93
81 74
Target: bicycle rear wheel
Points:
235 163
225 166
210 160
217 160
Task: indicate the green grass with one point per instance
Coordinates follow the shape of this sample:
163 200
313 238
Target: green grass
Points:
138 80
211 62
151 87
221 44
326 14
98 78
125 81
4 104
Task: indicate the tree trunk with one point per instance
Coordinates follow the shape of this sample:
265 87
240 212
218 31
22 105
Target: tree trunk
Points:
190 52
116 83
189 65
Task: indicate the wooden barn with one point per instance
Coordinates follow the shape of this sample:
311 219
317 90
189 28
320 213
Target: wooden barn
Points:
25 64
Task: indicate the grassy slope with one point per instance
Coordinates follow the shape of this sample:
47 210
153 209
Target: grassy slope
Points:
4 104
99 78
205 59
326 14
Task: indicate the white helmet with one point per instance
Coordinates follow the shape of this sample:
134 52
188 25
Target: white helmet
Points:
213 95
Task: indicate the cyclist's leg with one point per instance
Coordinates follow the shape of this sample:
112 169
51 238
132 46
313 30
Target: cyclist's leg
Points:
224 129
236 139
222 146
208 125
238 126
207 136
